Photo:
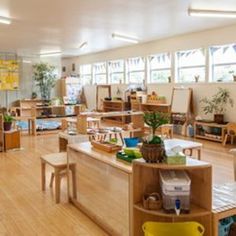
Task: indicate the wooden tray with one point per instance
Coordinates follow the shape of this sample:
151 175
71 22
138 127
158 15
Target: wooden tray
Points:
106 147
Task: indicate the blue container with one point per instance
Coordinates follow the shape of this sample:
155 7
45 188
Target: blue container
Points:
224 226
131 142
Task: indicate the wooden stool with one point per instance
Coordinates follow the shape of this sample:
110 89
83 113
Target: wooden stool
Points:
59 162
231 133
167 130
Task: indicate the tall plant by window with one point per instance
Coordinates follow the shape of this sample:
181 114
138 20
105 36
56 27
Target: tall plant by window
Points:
45 78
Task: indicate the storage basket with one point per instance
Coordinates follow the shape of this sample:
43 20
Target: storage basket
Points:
173 229
224 226
152 201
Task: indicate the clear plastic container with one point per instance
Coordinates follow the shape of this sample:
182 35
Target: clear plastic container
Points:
175 185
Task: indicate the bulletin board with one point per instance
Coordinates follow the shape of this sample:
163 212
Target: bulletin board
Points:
9 74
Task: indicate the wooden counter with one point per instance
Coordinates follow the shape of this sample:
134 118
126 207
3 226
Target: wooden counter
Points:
103 188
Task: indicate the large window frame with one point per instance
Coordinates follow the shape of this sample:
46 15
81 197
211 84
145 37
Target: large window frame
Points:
179 68
131 71
100 69
85 74
159 68
114 70
227 75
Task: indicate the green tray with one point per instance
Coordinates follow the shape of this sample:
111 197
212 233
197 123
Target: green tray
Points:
125 157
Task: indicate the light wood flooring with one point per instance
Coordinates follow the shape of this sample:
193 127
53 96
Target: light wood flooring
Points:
26 210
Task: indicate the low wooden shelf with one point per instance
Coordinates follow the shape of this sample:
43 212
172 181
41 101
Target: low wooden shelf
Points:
146 176
213 136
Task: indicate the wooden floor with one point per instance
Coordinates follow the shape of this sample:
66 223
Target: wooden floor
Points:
26 210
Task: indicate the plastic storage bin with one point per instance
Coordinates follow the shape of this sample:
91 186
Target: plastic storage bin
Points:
173 229
175 185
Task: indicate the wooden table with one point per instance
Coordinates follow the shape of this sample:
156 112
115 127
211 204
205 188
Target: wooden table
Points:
103 188
224 204
185 145
233 151
65 139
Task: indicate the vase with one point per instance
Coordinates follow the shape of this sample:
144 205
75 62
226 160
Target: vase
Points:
7 126
153 153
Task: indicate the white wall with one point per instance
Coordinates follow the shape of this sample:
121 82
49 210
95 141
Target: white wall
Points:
225 35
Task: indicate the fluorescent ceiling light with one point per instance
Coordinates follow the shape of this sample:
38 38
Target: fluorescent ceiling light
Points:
212 13
125 38
50 54
27 61
5 20
83 45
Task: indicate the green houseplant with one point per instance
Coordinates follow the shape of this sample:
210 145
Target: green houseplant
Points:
8 119
153 147
45 78
217 105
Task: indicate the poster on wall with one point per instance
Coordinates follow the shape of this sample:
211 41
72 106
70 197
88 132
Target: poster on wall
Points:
9 75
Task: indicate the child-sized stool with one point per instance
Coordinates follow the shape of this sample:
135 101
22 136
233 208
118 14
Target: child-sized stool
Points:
167 131
59 162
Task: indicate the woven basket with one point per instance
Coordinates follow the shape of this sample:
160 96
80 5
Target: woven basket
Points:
152 201
153 153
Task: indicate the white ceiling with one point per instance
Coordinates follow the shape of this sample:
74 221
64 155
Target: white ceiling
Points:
59 25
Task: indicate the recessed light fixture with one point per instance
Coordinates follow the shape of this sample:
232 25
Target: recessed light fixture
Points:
50 54
5 20
83 45
125 38
212 13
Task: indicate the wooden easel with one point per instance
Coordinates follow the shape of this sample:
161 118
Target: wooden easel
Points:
182 107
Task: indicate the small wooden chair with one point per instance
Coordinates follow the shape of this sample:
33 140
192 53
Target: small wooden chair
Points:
167 131
231 132
59 162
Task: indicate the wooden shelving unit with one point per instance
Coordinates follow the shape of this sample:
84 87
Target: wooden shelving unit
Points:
210 131
35 107
146 178
115 106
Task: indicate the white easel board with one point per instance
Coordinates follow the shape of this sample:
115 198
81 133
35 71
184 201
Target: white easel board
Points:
181 100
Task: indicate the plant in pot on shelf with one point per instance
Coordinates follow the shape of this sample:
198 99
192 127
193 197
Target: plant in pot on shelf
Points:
7 122
45 78
217 105
153 149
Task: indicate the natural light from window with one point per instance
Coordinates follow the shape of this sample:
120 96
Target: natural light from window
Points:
190 66
160 68
223 63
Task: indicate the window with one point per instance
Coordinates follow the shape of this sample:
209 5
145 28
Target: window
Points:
100 73
223 63
116 71
190 66
160 68
136 70
86 74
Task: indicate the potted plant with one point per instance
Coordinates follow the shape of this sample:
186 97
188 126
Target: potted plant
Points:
45 77
7 122
218 104
153 147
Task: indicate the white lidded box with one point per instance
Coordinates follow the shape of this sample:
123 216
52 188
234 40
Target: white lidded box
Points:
175 185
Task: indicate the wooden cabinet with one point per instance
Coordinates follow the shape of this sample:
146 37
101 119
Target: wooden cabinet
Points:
146 179
116 106
210 131
11 139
